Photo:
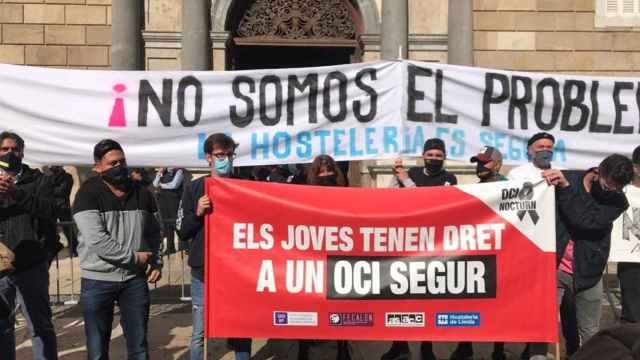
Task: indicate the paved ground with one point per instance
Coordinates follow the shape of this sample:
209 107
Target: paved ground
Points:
170 325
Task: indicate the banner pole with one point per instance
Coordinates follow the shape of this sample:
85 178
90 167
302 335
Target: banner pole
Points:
557 351
206 348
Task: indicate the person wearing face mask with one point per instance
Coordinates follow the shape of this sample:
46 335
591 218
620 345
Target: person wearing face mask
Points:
119 247
540 151
629 273
432 174
588 203
219 150
324 171
26 205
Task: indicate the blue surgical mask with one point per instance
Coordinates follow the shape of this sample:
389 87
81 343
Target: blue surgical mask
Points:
542 159
223 167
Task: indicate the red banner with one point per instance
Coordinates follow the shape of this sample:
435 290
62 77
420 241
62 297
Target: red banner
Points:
448 263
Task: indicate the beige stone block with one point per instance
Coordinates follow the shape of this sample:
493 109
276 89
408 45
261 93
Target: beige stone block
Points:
43 14
635 58
496 59
485 4
485 40
164 15
22 34
98 2
12 54
428 56
554 41
64 34
109 15
535 61
25 1
556 5
162 64
516 40
564 60
162 53
65 1
594 41
585 22
494 21
517 5
604 61
585 5
535 21
219 59
11 13
565 21
98 35
46 55
626 42
428 17
90 15
88 55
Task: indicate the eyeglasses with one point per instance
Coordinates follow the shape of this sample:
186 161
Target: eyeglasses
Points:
224 155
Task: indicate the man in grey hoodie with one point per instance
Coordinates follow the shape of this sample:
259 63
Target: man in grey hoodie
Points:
119 248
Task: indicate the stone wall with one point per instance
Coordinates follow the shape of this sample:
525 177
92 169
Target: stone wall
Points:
59 33
552 36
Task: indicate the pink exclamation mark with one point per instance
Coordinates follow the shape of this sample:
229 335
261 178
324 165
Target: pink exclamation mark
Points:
118 118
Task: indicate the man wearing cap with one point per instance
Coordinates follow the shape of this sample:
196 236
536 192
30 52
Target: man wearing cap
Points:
629 273
432 174
25 205
119 248
540 150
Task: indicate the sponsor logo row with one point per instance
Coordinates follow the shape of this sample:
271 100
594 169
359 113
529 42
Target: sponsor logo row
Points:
391 319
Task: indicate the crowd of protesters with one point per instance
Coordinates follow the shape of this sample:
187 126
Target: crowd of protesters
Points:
120 238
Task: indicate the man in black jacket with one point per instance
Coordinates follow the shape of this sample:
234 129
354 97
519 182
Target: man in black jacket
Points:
219 150
589 202
25 205
62 185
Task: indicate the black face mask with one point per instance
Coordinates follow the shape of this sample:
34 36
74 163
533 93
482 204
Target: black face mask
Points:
13 162
117 176
601 195
327 180
482 171
433 166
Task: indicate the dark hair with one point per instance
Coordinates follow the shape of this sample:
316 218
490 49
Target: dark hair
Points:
617 168
328 162
434 143
13 136
103 147
220 140
636 156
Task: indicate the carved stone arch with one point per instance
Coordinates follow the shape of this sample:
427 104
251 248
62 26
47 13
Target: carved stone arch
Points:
368 11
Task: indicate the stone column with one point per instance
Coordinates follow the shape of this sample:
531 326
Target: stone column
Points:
460 33
127 48
196 43
395 29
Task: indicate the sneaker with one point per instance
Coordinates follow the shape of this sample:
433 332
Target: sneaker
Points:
397 353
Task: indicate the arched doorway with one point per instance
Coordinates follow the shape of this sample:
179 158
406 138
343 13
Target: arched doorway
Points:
292 33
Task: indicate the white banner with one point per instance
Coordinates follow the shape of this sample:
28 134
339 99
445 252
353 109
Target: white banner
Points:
625 236
351 112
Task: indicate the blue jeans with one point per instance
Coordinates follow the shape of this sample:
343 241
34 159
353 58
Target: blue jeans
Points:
98 299
242 347
30 288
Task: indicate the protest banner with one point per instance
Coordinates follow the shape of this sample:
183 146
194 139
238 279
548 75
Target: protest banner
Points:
473 262
377 110
625 235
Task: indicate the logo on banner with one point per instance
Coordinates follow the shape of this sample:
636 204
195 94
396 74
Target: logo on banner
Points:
290 318
520 200
117 118
404 319
457 319
351 319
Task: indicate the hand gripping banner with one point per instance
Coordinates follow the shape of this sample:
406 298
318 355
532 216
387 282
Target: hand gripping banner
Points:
446 263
